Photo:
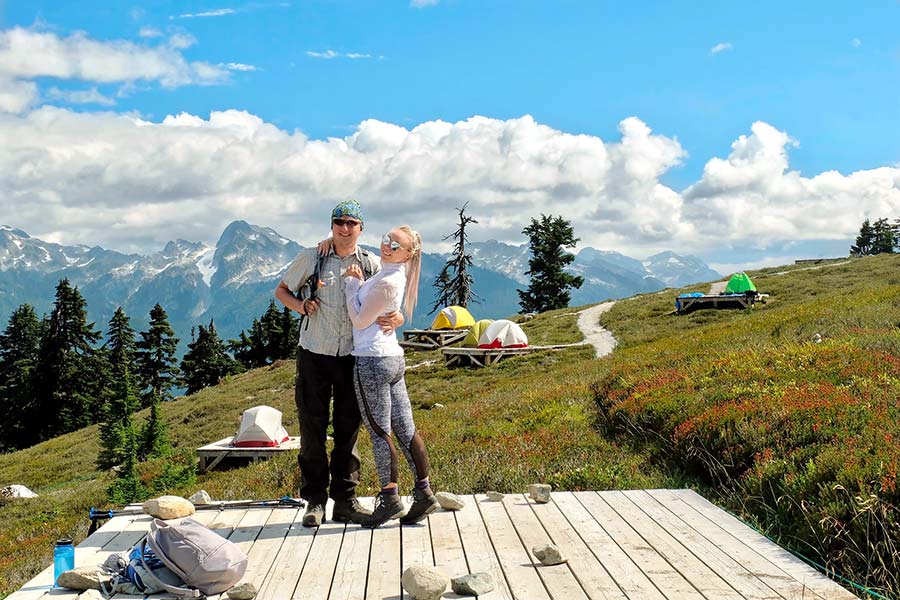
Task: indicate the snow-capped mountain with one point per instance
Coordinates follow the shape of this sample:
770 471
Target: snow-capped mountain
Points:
233 282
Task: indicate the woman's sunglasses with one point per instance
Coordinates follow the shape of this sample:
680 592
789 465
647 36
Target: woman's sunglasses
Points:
387 241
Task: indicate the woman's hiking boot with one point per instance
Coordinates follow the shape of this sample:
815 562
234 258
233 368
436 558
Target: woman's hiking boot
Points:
387 507
424 503
345 511
314 515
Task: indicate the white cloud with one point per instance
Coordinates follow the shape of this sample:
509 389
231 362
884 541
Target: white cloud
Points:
330 54
721 47
149 32
91 96
856 42
131 184
423 3
219 12
26 55
180 41
240 67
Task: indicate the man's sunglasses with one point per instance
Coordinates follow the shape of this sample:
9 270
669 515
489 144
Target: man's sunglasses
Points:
343 222
387 241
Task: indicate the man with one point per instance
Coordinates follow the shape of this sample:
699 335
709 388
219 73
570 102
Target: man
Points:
325 368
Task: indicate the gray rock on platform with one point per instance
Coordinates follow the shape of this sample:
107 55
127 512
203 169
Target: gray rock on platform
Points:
449 501
539 492
242 591
494 496
82 578
424 583
473 584
548 554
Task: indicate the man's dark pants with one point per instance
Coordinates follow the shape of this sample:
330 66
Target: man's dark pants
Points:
318 378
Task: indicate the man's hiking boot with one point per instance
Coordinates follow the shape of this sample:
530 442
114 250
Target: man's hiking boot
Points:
314 515
424 503
345 511
387 507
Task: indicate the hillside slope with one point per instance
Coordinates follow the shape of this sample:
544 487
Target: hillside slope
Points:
562 417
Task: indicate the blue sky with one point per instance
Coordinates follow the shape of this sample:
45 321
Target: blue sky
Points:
698 74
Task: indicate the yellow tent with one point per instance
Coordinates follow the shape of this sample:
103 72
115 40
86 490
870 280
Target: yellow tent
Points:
471 340
453 317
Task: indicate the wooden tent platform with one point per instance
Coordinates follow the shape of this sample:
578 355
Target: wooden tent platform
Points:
432 339
485 357
690 303
212 454
643 544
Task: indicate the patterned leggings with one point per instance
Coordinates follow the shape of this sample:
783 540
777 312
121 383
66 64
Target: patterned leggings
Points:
385 407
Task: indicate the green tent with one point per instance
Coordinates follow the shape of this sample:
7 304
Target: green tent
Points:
740 283
471 340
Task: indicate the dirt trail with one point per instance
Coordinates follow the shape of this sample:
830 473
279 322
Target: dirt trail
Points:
589 324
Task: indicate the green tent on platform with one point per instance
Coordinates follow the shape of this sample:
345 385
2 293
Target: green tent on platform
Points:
471 340
739 283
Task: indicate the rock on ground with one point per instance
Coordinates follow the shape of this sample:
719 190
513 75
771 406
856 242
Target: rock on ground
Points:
494 496
424 583
82 578
539 492
473 584
242 591
201 497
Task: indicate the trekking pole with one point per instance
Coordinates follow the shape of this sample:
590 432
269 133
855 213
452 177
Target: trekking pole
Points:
96 515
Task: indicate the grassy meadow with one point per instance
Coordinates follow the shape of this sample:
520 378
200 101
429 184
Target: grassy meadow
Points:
794 436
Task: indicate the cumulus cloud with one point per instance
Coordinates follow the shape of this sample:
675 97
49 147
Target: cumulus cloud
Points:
232 66
720 47
149 32
132 184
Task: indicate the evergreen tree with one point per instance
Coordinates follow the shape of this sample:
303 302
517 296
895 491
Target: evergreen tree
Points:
456 288
128 486
157 366
864 241
549 287
65 377
20 345
206 362
154 437
117 434
884 239
265 342
290 334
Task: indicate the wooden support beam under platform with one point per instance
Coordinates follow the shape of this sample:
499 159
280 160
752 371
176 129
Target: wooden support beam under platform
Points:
685 304
624 545
485 357
431 339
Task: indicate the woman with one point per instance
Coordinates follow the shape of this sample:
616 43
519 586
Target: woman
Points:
378 375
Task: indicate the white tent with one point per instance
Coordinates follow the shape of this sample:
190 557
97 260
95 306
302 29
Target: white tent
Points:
260 428
16 491
503 334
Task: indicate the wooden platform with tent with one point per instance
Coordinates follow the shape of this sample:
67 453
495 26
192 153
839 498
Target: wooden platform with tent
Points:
485 357
450 325
259 437
739 292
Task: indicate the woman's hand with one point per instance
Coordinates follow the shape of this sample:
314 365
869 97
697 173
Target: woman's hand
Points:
354 271
324 247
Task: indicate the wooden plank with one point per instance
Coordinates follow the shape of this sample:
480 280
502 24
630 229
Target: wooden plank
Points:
290 562
384 563
559 579
352 570
808 577
415 547
621 568
318 573
267 544
756 564
728 569
446 544
589 571
654 566
700 575
515 559
479 551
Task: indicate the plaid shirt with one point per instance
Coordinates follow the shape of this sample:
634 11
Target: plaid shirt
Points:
330 331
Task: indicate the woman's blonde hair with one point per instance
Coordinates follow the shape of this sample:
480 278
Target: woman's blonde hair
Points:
413 268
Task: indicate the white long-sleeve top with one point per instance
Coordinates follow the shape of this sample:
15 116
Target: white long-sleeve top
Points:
366 301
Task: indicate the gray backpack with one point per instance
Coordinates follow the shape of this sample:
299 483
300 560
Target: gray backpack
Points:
205 561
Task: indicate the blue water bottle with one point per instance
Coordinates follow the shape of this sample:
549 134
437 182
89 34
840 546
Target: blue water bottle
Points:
63 558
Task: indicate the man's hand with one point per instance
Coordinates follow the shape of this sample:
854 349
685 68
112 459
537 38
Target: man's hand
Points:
354 271
390 321
310 306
